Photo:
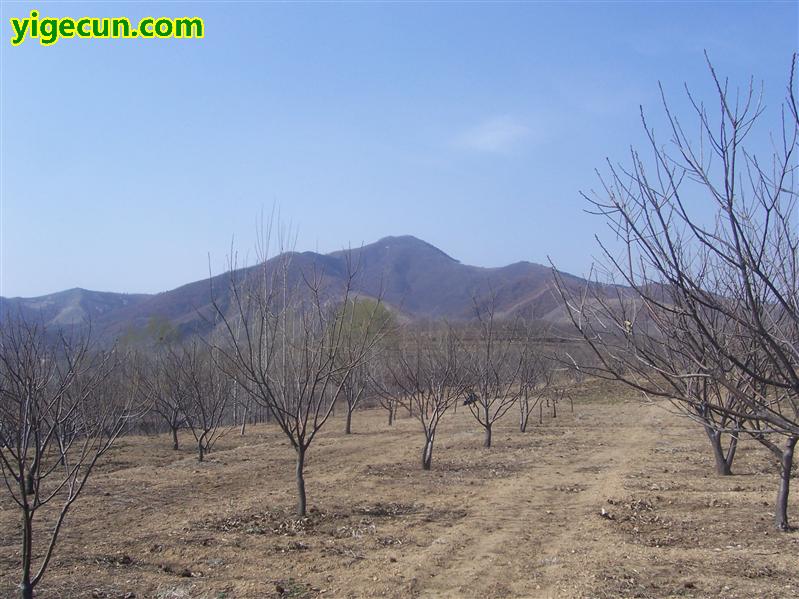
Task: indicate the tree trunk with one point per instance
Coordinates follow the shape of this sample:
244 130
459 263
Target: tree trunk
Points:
723 468
427 454
348 426
30 488
487 440
301 504
541 413
200 449
26 590
175 444
391 416
25 587
524 416
786 463
244 413
731 450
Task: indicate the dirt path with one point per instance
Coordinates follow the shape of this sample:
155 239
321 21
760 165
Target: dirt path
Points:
524 536
602 476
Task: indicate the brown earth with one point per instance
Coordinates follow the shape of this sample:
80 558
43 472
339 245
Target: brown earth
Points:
519 520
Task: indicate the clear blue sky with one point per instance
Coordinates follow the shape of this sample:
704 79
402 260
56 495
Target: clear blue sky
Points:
472 126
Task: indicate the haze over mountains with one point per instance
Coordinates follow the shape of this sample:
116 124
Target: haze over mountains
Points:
418 281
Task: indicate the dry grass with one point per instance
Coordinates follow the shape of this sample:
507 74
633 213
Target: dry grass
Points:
519 520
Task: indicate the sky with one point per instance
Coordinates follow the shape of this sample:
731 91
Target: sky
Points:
136 165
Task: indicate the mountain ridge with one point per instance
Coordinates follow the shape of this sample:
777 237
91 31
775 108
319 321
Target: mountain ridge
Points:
415 278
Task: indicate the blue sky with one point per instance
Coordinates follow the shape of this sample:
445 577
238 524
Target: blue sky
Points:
126 163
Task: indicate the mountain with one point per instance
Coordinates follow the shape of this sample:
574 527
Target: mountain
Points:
69 307
424 282
416 279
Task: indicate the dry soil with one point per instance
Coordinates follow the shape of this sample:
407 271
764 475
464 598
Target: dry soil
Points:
522 519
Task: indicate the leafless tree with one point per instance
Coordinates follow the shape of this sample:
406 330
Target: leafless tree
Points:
353 390
728 284
203 391
242 399
157 385
241 407
288 344
381 382
653 354
427 375
57 421
495 365
362 319
535 380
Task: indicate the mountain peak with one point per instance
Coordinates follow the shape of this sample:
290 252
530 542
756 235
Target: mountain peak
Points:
409 243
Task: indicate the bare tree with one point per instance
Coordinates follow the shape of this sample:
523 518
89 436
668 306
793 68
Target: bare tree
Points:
494 368
353 390
381 381
288 344
728 284
158 388
427 375
57 421
535 380
363 319
203 391
241 407
654 354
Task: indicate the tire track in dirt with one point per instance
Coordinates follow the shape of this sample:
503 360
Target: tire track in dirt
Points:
566 567
493 553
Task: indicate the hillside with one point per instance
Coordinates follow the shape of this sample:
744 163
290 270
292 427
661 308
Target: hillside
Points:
69 307
416 279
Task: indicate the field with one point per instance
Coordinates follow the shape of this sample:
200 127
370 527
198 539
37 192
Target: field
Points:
522 519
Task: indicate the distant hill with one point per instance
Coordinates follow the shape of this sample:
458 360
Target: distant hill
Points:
424 282
415 279
73 306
